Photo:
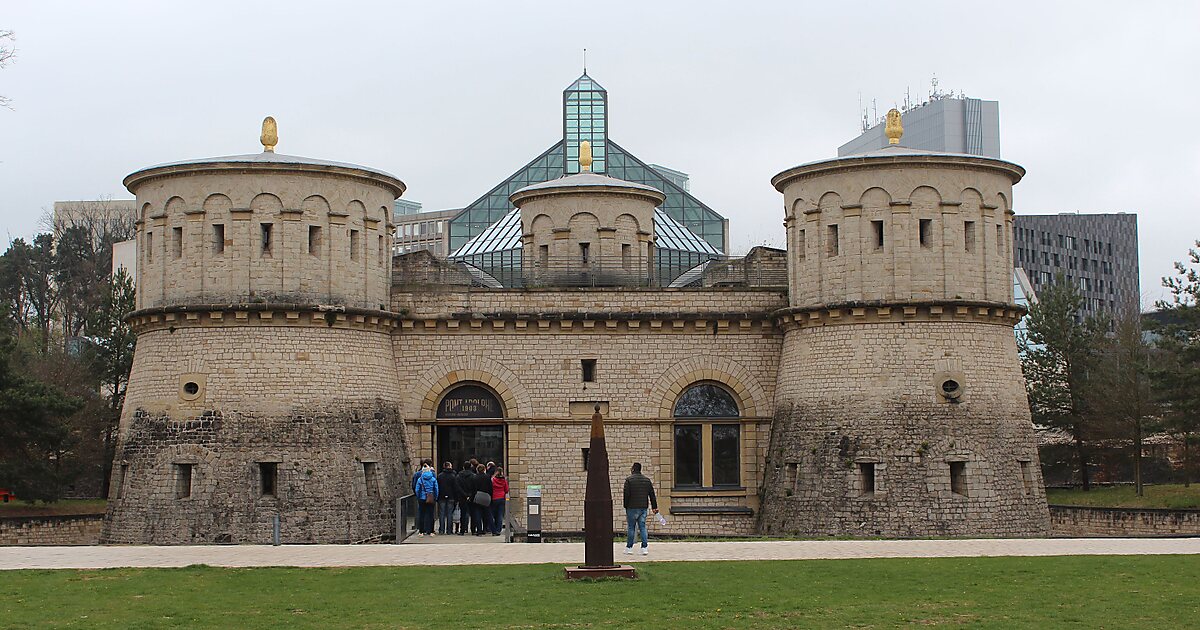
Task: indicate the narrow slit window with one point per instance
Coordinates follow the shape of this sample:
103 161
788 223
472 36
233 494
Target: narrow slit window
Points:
792 476
626 257
268 478
877 226
218 235
585 252
586 452
969 235
1026 476
314 240
925 232
354 244
183 481
381 248
266 238
1000 244
544 256
831 241
371 478
866 478
149 246
588 368
177 242
121 481
958 478
800 244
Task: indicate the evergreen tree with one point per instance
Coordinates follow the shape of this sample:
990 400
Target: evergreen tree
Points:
1059 359
34 434
1177 375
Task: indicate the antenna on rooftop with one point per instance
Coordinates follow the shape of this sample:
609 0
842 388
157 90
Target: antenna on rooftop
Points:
585 61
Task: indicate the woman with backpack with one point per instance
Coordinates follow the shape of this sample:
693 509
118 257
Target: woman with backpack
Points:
427 493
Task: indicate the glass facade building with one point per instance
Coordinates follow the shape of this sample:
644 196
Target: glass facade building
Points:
585 117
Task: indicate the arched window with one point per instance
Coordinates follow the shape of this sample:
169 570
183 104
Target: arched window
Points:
707 445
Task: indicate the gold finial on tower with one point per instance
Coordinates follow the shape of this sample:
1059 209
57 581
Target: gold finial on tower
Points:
585 156
270 135
893 129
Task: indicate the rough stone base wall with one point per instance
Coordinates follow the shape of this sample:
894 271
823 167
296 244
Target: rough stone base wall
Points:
322 494
1066 520
853 395
51 530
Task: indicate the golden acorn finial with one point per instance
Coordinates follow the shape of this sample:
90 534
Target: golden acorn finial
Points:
270 135
585 156
893 129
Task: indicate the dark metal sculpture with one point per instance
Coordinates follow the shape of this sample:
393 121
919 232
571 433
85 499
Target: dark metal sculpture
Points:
598 514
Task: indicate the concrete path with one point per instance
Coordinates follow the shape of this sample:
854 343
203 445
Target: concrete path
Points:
569 553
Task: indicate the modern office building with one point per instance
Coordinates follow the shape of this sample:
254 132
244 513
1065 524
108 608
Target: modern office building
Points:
1097 252
423 231
944 123
486 234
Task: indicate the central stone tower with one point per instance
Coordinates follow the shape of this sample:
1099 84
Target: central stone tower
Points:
900 403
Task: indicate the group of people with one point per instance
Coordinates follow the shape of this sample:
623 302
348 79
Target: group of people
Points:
471 498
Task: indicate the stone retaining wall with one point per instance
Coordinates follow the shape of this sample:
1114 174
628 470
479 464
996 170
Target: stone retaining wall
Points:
1070 520
81 529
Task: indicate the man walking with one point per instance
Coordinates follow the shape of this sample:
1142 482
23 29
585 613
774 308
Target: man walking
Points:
639 495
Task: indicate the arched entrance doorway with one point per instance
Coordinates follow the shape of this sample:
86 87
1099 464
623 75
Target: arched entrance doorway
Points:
470 423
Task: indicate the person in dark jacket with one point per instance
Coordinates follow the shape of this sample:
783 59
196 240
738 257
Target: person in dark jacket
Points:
466 483
427 488
639 491
448 495
482 518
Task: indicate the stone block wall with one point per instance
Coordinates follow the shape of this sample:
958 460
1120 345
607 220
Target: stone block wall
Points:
202 240
642 365
859 398
317 401
1079 521
51 530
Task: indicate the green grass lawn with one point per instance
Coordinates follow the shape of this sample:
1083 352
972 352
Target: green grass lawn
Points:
66 506
1080 592
1174 496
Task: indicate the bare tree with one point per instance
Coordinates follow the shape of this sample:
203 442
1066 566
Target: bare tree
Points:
8 52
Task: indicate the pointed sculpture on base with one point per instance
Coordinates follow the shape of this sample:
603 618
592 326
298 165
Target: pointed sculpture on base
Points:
598 514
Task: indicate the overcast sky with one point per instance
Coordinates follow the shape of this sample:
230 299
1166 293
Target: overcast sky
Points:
1099 101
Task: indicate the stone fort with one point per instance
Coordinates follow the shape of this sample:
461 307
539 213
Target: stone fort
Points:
864 381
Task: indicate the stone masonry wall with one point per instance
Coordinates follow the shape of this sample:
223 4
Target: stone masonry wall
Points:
1070 520
51 530
866 394
320 403
642 366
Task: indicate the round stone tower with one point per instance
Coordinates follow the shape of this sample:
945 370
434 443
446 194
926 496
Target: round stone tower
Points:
587 228
263 384
900 403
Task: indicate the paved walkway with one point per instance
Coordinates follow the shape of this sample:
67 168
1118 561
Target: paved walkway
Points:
569 553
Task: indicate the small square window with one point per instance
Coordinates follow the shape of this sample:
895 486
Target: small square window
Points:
958 478
866 479
925 232
268 476
266 238
183 481
588 367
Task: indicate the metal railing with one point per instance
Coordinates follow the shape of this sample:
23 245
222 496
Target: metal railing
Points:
406 517
666 269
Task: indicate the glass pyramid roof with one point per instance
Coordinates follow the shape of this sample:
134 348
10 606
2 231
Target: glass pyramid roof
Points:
505 235
584 83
